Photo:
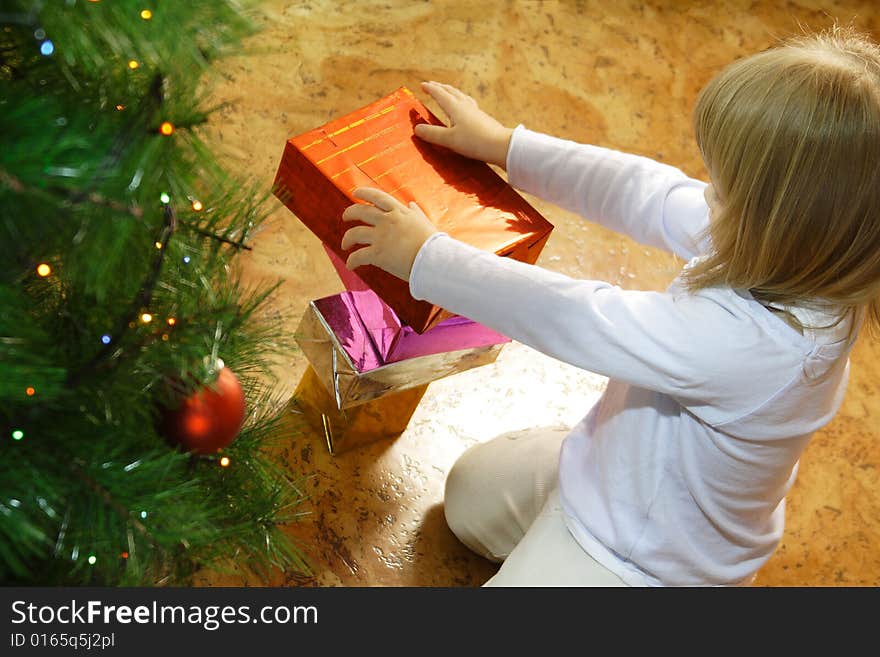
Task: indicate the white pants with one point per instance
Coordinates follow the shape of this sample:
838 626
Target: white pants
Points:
502 502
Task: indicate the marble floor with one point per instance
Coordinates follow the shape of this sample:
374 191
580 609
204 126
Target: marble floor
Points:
617 74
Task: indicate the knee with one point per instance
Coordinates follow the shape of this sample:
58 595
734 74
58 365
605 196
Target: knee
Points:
459 494
463 503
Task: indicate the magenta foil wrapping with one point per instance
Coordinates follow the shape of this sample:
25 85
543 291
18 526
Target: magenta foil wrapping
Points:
372 335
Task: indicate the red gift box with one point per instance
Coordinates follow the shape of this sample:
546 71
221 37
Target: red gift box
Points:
376 146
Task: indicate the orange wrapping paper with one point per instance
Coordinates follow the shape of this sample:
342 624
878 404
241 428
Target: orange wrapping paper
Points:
375 146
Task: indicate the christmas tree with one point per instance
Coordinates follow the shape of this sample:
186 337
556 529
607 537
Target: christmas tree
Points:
120 304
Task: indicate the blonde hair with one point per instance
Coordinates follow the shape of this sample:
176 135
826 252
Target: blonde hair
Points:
791 139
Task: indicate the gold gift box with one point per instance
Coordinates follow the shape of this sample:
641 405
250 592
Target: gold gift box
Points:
354 400
343 430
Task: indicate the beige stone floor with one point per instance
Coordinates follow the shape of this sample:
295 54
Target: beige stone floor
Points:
618 74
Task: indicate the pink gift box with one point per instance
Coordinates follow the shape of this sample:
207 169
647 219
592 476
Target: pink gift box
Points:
372 335
361 351
391 339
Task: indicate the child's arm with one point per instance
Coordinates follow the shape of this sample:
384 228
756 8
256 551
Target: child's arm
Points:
678 345
653 203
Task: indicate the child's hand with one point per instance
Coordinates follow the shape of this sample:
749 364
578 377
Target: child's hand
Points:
471 131
393 235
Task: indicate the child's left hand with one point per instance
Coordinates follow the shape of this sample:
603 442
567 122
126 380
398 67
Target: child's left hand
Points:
393 235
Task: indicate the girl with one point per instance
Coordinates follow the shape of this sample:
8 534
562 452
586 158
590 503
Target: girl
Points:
678 474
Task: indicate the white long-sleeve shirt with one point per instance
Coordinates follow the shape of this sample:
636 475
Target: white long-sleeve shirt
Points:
677 476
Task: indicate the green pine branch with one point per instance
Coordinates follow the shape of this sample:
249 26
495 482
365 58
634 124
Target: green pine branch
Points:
120 278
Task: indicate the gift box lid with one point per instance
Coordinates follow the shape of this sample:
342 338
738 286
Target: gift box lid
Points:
376 146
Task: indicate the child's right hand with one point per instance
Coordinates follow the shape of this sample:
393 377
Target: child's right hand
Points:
471 132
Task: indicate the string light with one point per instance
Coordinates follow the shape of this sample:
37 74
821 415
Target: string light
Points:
105 339
146 14
133 64
224 462
47 47
166 128
197 205
164 337
164 198
186 260
17 434
158 245
146 318
143 515
124 555
120 107
171 321
30 391
43 269
92 559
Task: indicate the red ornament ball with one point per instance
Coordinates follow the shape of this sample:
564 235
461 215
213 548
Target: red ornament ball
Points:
209 419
